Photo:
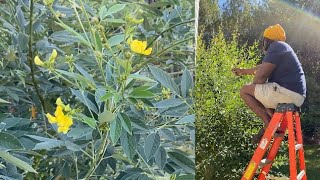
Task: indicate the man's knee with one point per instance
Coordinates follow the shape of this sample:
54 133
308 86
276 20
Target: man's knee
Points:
247 90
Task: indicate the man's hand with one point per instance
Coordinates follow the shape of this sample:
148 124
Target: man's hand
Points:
238 71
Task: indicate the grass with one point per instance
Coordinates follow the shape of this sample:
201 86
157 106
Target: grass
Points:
312 158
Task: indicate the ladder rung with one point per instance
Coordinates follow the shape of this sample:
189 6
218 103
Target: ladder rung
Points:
264 162
298 146
301 174
276 135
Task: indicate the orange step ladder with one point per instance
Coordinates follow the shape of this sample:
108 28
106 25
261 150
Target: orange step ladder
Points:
286 116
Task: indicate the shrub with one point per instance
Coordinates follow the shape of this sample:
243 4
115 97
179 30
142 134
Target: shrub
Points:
224 124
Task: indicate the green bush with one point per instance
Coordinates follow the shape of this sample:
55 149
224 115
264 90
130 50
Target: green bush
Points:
224 124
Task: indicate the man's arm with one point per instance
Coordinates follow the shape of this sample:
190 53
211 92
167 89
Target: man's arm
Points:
250 71
263 73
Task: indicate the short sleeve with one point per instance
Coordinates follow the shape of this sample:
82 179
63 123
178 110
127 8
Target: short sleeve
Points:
274 54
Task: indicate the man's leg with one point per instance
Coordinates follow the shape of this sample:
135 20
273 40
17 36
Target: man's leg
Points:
270 111
247 94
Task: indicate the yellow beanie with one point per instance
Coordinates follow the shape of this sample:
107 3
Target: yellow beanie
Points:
275 33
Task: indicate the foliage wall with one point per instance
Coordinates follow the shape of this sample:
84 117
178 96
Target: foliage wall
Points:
250 18
224 124
96 89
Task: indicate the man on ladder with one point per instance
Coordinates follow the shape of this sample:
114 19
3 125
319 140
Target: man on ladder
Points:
279 79
277 92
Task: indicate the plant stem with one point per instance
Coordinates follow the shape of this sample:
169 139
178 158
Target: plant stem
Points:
178 24
99 156
30 57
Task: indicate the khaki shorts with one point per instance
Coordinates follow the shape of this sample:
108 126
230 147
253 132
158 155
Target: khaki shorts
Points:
271 94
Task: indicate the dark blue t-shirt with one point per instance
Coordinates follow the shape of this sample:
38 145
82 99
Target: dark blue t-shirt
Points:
288 72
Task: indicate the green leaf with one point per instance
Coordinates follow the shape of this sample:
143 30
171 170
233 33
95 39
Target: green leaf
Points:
138 123
126 123
72 146
107 96
186 119
85 73
84 99
186 177
106 116
151 145
17 162
79 132
4 101
75 33
186 83
12 122
20 18
141 77
164 78
90 121
115 40
46 143
128 144
75 76
183 161
167 103
23 41
8 141
137 93
114 9
160 157
114 21
151 10
98 41
115 130
2 166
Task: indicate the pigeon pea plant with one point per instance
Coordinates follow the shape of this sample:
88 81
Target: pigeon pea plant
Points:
96 89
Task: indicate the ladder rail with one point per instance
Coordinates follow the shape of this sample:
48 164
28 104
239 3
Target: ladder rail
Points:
273 150
262 147
302 164
292 150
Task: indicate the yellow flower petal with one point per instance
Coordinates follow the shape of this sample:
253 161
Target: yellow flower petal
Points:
59 113
53 56
38 61
148 51
63 129
59 102
67 108
51 118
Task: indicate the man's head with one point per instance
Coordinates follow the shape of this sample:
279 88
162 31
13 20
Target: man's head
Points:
271 34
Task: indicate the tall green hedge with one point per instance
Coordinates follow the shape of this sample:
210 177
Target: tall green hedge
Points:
224 124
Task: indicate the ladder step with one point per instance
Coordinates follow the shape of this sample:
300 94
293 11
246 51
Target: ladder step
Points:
298 146
301 174
276 135
264 162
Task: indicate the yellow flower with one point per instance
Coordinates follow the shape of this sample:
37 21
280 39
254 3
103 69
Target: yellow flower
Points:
38 61
64 121
53 56
140 47
51 119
